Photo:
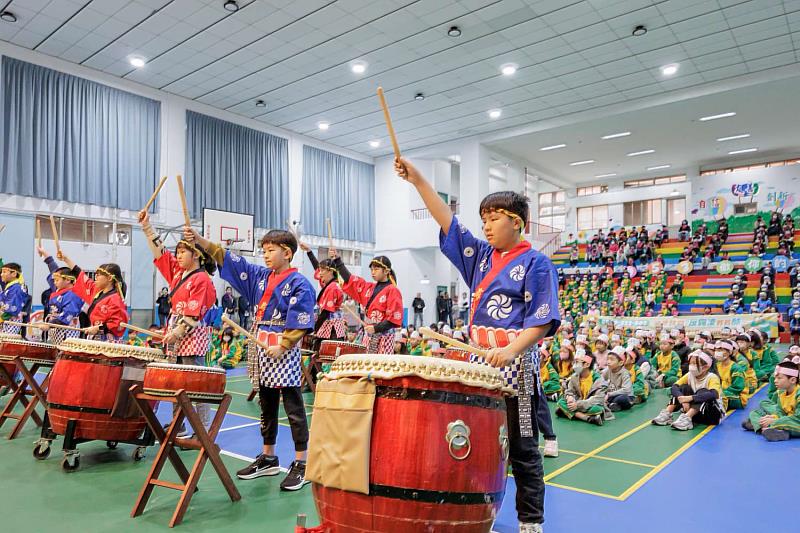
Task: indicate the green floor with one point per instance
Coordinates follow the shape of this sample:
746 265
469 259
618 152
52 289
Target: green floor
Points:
609 461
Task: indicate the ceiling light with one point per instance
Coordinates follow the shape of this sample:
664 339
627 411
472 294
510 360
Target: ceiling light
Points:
715 117
137 61
553 147
610 174
323 125
454 31
745 151
231 6
261 103
658 167
669 70
578 163
615 135
376 143
495 113
639 30
359 67
8 16
419 97
734 137
509 69
641 152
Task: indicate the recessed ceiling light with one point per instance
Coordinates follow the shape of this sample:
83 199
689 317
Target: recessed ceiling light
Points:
552 147
615 135
8 16
137 61
658 167
669 70
495 113
508 69
641 152
578 163
323 125
419 97
715 117
261 103
745 151
359 67
376 143
231 6
610 174
639 30
454 31
734 137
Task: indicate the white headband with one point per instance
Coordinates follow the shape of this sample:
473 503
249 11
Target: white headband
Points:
792 373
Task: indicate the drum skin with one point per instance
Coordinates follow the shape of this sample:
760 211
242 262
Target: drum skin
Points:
26 350
410 455
162 378
328 349
91 382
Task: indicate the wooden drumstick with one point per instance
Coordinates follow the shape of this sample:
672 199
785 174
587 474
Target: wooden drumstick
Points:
186 217
389 126
330 232
142 330
38 233
155 194
244 332
354 315
55 233
429 333
40 325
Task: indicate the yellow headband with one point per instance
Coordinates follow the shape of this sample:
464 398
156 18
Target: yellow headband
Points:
192 247
66 277
383 266
117 282
513 216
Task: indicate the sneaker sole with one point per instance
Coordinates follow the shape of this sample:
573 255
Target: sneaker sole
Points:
296 487
271 471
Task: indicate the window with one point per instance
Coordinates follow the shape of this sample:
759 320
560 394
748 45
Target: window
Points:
595 189
595 217
86 231
784 163
349 257
750 208
655 181
676 211
553 209
642 212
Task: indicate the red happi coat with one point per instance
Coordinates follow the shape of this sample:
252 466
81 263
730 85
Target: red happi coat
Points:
107 309
195 296
386 305
330 297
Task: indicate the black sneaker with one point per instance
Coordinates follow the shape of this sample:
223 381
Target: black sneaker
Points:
748 425
264 465
296 477
614 408
182 432
775 435
596 420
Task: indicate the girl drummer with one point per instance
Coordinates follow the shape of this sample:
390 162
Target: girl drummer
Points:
105 295
13 295
188 272
330 324
64 304
382 301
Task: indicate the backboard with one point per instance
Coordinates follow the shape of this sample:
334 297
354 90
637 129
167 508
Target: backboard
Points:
233 230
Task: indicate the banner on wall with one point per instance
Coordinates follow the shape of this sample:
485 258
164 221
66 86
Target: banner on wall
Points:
697 323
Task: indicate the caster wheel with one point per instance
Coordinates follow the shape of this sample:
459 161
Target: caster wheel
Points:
42 451
71 463
139 453
112 444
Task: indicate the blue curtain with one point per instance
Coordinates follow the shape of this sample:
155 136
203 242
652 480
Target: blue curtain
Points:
67 138
341 189
234 168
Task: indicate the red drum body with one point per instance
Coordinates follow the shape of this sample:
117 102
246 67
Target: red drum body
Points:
163 379
456 354
42 352
438 455
330 350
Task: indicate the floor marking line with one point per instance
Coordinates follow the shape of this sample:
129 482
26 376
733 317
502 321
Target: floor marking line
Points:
597 450
584 491
240 426
605 458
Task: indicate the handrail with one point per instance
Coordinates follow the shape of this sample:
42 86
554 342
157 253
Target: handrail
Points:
551 246
425 214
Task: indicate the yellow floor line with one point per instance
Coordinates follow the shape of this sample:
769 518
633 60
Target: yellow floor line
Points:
584 491
604 458
596 451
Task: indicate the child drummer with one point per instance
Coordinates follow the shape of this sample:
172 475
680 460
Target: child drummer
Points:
330 324
514 306
13 295
64 305
284 314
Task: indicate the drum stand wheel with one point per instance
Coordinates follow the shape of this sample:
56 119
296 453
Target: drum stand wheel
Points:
139 453
112 444
42 449
71 461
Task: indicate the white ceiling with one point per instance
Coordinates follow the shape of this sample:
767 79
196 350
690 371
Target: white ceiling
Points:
573 55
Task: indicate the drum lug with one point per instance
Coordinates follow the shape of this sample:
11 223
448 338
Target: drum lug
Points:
457 438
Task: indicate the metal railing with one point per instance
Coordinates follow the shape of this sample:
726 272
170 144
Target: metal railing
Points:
424 214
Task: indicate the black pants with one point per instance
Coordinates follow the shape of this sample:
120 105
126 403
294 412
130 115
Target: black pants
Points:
163 318
270 399
526 464
543 418
623 401
708 413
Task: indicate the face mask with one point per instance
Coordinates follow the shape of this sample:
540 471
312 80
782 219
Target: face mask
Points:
693 370
578 367
226 339
719 355
563 356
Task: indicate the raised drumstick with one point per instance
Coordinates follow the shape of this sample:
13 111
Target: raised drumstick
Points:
429 333
55 234
330 232
38 233
155 194
388 118
186 217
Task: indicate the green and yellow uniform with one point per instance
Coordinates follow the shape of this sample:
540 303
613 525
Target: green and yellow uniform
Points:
783 406
551 384
422 349
750 377
641 389
668 364
589 392
225 354
735 393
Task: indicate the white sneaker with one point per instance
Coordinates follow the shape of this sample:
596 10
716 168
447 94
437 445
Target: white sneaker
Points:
551 448
683 423
664 418
530 528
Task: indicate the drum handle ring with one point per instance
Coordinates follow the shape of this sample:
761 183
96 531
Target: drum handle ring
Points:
457 438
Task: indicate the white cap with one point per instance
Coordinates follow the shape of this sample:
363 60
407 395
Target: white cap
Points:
674 332
603 338
415 335
664 337
634 343
447 331
458 335
619 350
615 337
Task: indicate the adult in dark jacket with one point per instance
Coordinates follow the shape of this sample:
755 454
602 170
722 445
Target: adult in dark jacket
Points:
163 306
419 306
244 312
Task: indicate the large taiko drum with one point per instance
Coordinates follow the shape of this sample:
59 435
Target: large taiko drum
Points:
85 387
456 354
331 350
438 449
199 382
13 346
